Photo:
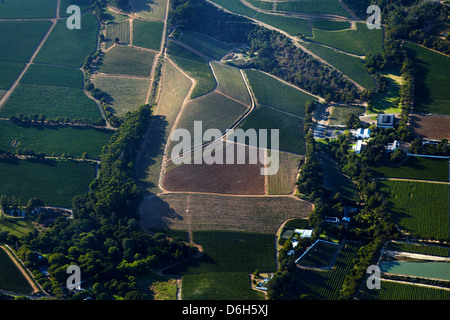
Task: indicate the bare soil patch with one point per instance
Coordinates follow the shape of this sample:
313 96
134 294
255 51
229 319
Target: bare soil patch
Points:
196 211
430 127
237 179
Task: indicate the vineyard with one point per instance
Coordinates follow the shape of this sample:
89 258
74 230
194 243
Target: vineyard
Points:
391 290
419 208
323 285
417 248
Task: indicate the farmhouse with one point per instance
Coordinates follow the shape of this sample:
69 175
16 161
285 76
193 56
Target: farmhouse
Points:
385 120
362 133
358 147
393 146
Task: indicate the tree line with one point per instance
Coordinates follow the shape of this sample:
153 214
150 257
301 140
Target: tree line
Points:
103 238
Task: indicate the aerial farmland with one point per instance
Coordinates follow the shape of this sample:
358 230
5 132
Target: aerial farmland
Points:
224 150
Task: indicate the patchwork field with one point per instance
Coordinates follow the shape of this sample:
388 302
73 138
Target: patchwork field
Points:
20 39
55 182
330 24
118 30
123 94
147 34
352 67
207 45
221 178
9 71
416 168
127 61
53 101
284 181
431 80
290 128
321 255
231 83
209 212
275 93
360 41
419 208
214 110
53 76
29 9
195 66
70 47
430 127
53 140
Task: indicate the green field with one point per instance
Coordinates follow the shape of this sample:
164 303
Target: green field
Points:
313 6
147 34
51 101
195 66
231 82
214 110
70 47
219 286
223 270
154 10
336 181
119 30
419 208
83 4
53 76
293 26
20 39
283 181
266 5
53 139
275 93
29 9
402 291
330 24
123 94
11 279
19 227
9 71
360 41
291 136
323 285
55 182
128 61
207 45
419 248
339 114
388 101
431 80
415 168
352 67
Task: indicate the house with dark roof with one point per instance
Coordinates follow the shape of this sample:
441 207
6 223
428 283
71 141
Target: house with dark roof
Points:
385 120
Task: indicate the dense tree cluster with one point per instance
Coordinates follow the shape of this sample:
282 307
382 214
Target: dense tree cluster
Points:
412 20
275 53
103 238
